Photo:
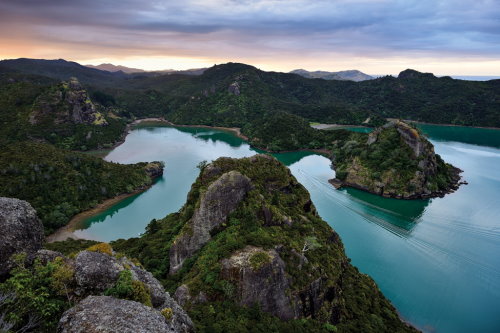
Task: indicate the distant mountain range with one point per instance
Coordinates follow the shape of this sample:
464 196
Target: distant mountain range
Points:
117 68
350 75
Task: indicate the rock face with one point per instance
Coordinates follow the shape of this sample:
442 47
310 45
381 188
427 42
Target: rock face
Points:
20 231
154 169
68 102
274 252
260 279
95 272
107 314
234 88
221 198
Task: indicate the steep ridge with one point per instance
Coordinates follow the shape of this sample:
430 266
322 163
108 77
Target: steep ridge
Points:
268 248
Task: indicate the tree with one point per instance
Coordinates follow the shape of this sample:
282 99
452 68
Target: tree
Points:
202 165
310 243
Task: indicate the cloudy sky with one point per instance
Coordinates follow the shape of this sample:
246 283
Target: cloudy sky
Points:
460 37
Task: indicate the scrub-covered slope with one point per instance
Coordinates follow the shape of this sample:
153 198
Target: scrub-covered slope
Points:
60 183
248 251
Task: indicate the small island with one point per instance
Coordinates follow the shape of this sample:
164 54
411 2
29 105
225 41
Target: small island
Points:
395 161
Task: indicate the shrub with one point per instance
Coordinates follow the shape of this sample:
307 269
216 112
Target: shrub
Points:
167 313
102 248
127 288
36 294
259 259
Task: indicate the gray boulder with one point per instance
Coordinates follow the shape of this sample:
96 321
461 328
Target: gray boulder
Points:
260 278
180 319
95 272
158 294
107 314
46 256
221 199
20 231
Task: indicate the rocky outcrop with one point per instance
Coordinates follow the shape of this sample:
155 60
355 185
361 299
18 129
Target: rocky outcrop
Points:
45 256
221 198
179 319
95 272
260 278
154 169
234 88
183 296
20 231
68 102
106 314
158 294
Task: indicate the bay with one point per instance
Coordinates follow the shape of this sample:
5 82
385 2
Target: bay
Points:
436 260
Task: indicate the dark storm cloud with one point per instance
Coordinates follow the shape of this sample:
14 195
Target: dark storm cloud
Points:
468 27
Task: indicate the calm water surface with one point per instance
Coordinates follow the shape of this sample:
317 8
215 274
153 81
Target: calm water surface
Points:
437 260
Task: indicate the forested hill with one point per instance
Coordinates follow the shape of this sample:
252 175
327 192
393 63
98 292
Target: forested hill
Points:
233 94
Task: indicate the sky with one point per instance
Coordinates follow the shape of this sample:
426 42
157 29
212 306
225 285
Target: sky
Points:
446 37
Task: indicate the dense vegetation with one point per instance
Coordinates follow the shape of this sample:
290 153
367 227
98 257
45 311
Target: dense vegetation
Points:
34 297
359 307
207 99
21 96
59 183
35 294
385 163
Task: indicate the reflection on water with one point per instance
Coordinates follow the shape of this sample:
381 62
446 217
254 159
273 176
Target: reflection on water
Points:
475 136
400 213
436 260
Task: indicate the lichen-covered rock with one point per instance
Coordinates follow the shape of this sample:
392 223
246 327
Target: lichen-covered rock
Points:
46 256
221 198
20 231
158 294
154 169
180 319
260 278
97 314
95 272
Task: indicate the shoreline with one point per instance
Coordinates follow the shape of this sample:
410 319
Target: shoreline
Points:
339 126
452 187
449 125
67 231
234 130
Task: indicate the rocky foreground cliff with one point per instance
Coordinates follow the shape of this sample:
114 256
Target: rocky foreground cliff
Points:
90 291
248 251
395 160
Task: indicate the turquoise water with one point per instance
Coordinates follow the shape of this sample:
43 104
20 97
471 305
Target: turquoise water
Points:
437 260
